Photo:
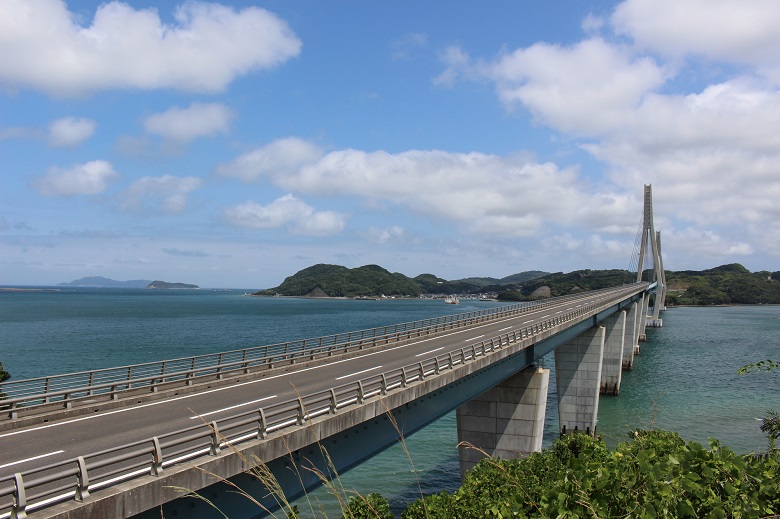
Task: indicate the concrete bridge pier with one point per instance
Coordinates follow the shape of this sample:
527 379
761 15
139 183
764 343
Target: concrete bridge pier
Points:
505 421
612 366
631 337
578 378
642 336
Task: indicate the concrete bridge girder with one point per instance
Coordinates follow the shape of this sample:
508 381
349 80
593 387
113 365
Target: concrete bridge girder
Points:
329 443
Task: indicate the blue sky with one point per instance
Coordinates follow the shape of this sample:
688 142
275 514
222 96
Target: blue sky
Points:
233 144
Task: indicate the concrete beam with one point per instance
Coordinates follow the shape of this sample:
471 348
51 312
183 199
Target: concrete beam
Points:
506 421
612 366
578 378
630 341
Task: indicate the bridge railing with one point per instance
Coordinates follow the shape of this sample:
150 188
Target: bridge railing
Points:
43 394
74 479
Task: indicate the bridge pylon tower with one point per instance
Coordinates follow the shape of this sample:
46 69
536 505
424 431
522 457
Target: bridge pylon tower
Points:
650 236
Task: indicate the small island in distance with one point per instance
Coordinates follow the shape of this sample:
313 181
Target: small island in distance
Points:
101 282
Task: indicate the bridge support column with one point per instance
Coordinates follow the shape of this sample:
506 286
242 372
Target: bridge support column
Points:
630 341
578 378
505 421
612 366
642 336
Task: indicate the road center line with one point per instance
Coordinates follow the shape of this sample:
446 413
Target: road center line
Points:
427 352
126 409
30 459
529 321
475 338
504 329
232 407
358 372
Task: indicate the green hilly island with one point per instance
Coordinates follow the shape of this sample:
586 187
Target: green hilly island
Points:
726 284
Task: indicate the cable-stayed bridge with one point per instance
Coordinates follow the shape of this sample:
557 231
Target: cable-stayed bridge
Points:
124 441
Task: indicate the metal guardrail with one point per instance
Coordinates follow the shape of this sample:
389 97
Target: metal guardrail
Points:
75 479
63 391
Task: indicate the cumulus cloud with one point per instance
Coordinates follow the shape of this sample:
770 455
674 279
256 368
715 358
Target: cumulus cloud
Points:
166 193
683 95
186 124
280 157
287 211
43 46
586 89
70 131
90 178
390 234
745 32
489 194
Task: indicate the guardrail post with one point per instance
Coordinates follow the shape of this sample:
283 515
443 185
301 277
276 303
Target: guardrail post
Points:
301 412
13 414
436 365
262 425
383 388
19 505
452 361
333 402
214 448
219 367
157 458
422 371
403 377
67 404
361 395
82 478
46 389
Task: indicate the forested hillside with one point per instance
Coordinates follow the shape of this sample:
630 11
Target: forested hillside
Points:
727 284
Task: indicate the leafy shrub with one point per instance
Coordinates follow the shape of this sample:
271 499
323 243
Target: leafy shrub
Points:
654 474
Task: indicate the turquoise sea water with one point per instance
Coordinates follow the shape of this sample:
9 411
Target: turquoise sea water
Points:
685 378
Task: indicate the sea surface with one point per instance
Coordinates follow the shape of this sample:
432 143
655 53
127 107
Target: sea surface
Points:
685 378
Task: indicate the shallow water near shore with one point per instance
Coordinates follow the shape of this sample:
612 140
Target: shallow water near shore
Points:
685 378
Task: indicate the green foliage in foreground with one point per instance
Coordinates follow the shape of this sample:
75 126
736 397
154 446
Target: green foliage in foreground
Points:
656 474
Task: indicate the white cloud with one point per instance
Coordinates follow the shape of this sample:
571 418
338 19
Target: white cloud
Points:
486 194
90 178
277 158
712 150
747 31
286 211
390 234
44 47
70 131
166 193
186 124
585 89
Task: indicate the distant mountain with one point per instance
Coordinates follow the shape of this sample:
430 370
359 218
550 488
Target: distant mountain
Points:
165 284
99 281
372 280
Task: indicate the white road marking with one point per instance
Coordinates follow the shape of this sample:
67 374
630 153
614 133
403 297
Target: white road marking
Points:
427 352
474 338
30 459
237 385
358 372
507 328
232 407
529 321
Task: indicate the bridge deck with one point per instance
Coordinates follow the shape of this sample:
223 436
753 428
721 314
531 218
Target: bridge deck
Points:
28 449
